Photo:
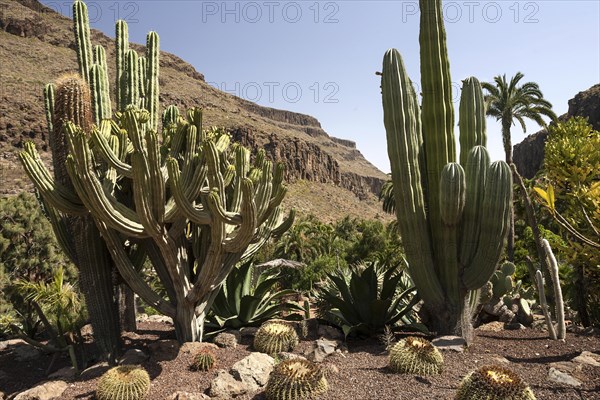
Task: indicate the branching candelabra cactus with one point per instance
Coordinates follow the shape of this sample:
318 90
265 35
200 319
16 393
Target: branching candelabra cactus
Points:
452 217
187 198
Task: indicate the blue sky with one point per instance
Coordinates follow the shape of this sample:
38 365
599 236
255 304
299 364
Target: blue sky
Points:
320 57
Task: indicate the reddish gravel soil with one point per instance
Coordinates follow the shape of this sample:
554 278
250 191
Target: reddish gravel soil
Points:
362 372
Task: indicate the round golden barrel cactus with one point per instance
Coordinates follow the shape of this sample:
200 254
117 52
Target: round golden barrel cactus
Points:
493 383
125 382
295 379
414 355
203 360
274 337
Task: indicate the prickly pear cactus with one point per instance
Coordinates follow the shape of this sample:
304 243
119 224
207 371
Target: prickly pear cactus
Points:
295 379
502 281
204 360
125 382
493 383
414 355
274 337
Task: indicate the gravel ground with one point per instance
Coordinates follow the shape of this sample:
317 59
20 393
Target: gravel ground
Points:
362 372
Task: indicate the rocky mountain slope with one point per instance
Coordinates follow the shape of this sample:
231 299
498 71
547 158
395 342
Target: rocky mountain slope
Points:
37 46
529 154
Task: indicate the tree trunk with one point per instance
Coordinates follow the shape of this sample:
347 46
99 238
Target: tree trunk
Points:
443 320
510 246
188 328
127 308
581 294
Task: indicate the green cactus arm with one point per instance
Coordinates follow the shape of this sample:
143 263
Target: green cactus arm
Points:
403 149
284 225
494 226
142 69
265 188
228 175
49 107
129 273
83 44
54 193
157 179
245 232
190 155
100 93
122 47
471 120
107 153
215 178
132 94
452 202
217 210
152 85
170 116
196 214
476 168
59 227
99 55
242 162
142 192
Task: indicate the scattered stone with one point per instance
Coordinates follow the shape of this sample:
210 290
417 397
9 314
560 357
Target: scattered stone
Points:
554 375
64 373
160 318
26 352
142 317
332 369
225 386
45 391
330 332
164 349
194 347
179 395
514 326
494 326
500 360
87 331
226 340
253 370
506 315
321 349
449 342
5 344
133 357
1 395
588 358
94 371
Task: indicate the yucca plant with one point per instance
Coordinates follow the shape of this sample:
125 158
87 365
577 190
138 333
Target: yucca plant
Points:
244 301
367 298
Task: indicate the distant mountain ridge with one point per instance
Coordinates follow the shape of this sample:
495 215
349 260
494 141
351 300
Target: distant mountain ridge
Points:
37 46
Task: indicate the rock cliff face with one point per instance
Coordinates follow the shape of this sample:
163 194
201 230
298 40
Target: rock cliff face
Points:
529 154
37 46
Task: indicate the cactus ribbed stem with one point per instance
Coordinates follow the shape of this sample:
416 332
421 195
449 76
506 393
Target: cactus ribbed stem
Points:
471 118
100 92
122 47
558 297
49 106
132 95
83 43
152 89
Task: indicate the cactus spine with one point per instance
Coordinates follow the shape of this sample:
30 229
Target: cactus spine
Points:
452 217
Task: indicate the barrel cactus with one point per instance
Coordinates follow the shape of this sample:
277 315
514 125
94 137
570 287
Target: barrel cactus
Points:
453 217
203 360
414 355
125 382
274 337
493 383
295 379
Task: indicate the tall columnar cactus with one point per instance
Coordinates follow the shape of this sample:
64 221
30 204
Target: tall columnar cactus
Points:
152 87
121 48
558 297
83 44
452 217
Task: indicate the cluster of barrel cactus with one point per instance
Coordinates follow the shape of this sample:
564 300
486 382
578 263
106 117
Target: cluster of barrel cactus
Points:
296 379
415 355
453 217
275 336
203 360
493 383
185 198
125 382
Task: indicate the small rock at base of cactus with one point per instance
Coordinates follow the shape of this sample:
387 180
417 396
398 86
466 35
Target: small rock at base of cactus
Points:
274 337
493 383
295 379
203 360
125 382
414 355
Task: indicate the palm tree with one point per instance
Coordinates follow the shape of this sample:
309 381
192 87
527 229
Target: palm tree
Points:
507 102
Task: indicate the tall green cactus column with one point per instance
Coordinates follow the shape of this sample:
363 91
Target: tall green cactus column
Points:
452 217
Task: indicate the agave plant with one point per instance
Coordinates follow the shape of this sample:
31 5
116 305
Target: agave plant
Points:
368 298
245 300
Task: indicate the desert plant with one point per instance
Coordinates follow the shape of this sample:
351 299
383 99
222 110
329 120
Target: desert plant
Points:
245 301
367 299
146 192
453 219
415 355
295 379
203 360
125 382
558 297
275 336
493 383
